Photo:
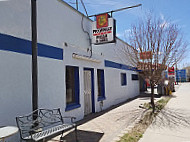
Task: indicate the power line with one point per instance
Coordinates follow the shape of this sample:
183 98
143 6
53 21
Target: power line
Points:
89 3
84 7
77 5
120 9
117 10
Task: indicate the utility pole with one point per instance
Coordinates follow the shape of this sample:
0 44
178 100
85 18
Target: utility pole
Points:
176 73
34 56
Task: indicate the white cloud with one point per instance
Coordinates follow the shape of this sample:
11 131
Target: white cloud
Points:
127 33
166 23
119 35
123 35
162 16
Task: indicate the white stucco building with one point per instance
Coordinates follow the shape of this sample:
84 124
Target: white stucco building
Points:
69 76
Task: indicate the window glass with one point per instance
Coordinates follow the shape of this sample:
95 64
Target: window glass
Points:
101 86
123 79
135 77
72 85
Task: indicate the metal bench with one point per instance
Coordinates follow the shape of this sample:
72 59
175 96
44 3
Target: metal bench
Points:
43 123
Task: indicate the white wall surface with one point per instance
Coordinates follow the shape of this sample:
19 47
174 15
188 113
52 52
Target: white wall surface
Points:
68 60
57 24
51 83
113 51
15 18
16 86
114 91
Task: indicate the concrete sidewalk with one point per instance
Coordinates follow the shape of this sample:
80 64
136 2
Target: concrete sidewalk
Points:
109 125
173 123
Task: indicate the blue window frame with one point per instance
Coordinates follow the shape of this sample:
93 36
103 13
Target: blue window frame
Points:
72 88
123 79
101 85
134 77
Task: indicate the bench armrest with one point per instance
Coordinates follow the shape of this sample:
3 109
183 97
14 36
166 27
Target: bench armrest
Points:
69 117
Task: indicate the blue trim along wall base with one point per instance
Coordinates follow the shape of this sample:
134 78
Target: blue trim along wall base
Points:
18 45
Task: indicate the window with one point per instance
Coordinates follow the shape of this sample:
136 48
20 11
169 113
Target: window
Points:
135 77
123 79
101 85
72 87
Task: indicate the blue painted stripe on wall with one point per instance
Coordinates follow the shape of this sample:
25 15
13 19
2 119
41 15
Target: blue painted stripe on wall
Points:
10 43
14 44
50 51
119 66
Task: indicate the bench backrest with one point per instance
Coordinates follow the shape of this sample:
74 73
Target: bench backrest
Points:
38 120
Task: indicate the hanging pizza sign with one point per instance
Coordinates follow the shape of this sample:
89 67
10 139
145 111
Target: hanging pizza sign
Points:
103 29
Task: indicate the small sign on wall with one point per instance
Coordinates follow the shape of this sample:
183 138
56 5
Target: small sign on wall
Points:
171 71
103 30
146 55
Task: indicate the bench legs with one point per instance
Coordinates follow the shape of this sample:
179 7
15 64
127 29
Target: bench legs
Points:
61 134
76 138
76 134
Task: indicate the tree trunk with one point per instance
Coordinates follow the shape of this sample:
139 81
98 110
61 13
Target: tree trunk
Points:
152 97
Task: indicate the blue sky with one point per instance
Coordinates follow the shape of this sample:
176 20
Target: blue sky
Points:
177 11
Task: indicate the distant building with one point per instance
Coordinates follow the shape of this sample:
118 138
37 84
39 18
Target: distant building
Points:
188 73
181 75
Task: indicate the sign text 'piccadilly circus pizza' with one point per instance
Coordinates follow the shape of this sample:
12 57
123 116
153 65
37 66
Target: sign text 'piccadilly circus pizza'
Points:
103 29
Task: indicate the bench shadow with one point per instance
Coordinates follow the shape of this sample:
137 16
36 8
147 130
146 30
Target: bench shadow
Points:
82 136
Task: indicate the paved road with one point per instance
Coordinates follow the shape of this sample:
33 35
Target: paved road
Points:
173 124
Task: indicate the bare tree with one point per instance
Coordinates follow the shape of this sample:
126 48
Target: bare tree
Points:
154 46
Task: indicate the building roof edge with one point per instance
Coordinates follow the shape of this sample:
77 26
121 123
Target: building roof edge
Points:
66 4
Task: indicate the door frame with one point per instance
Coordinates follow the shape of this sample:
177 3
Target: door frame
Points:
92 87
